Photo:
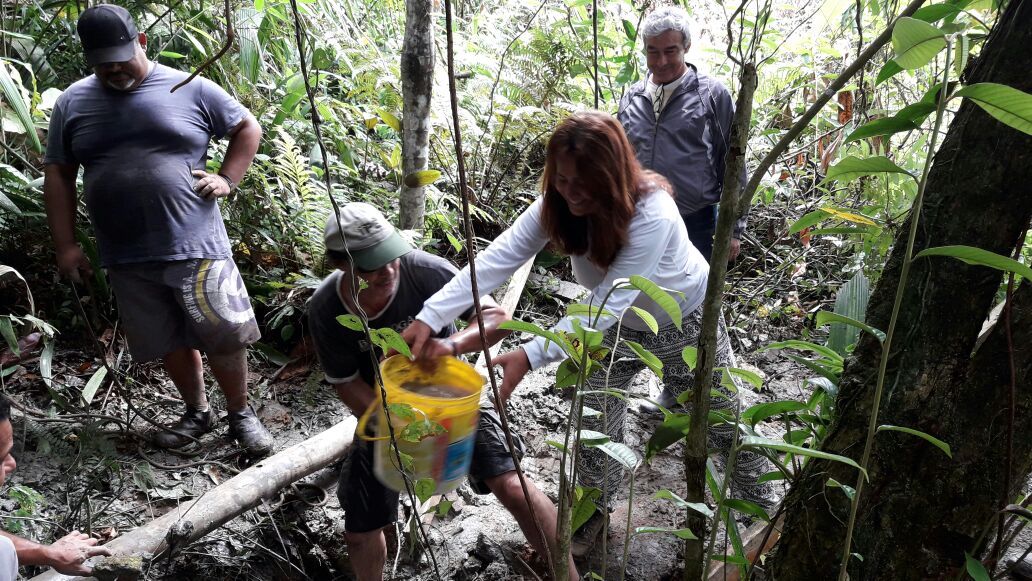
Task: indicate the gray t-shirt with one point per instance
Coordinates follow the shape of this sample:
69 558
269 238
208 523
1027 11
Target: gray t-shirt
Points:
137 149
343 353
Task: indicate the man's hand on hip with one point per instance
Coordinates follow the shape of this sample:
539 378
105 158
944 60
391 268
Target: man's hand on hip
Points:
72 263
211 185
736 247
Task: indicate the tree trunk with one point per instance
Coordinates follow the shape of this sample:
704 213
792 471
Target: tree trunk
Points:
922 510
417 82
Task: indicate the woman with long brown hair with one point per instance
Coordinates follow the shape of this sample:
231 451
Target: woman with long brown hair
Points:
614 220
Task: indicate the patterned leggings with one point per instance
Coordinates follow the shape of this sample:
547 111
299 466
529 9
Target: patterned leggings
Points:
599 470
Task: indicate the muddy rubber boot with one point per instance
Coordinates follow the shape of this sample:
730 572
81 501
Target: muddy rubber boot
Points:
191 425
586 537
249 432
665 399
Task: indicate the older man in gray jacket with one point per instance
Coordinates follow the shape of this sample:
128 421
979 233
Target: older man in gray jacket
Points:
679 122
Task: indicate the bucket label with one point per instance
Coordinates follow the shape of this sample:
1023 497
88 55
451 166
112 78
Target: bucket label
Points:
458 459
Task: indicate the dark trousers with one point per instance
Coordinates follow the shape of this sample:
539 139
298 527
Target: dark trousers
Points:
701 226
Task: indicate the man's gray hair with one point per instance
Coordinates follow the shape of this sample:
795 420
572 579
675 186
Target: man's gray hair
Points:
667 18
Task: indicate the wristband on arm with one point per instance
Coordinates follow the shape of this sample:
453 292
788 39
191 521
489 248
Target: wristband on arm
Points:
232 185
454 346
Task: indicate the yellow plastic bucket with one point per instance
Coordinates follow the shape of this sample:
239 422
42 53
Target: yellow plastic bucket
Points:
454 403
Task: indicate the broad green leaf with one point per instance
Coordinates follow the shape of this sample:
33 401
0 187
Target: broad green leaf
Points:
392 340
821 350
647 357
849 216
809 219
673 429
390 119
647 317
882 127
171 54
699 507
591 438
96 380
850 300
402 411
761 412
685 534
621 453
976 569
888 70
936 12
525 327
629 30
924 436
690 356
827 317
584 506
418 179
747 507
425 489
351 322
12 94
757 442
421 429
443 508
820 368
979 257
849 491
588 311
7 330
660 296
749 377
852 167
567 373
1007 104
557 445
916 42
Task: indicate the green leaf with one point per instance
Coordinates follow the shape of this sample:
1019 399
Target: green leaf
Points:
621 453
351 322
916 42
979 257
390 119
823 369
936 12
587 311
557 445
425 489
390 339
12 94
849 491
584 506
821 350
419 179
172 55
747 507
690 356
882 127
660 296
525 327
647 317
402 411
852 167
850 300
827 317
272 354
443 508
749 377
96 380
591 438
7 330
673 429
924 436
567 373
808 219
757 442
685 534
699 507
248 20
888 70
647 357
761 412
1007 104
975 568
629 30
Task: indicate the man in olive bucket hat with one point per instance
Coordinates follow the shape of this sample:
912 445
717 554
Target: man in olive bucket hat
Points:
381 275
154 210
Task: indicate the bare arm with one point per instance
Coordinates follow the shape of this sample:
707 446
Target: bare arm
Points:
59 196
243 144
356 394
66 555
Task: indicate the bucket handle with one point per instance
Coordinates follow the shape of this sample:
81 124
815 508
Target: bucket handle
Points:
360 430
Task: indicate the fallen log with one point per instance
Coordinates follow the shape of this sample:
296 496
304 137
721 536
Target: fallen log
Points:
193 520
510 300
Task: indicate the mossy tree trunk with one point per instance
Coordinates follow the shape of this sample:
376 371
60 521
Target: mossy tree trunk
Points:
921 510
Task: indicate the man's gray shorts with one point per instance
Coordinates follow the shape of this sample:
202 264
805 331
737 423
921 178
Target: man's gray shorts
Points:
198 303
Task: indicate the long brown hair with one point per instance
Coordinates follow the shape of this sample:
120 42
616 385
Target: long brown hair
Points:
607 167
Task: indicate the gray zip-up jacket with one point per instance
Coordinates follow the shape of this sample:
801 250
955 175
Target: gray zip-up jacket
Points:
688 142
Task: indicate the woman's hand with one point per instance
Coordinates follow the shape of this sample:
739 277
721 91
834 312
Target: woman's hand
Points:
515 366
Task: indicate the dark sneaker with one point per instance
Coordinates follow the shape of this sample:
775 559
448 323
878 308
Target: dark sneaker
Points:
586 537
192 425
249 432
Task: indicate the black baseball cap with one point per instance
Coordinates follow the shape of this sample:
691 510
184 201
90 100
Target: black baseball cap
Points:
108 34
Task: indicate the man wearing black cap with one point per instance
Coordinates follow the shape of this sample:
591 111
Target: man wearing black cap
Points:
152 205
383 276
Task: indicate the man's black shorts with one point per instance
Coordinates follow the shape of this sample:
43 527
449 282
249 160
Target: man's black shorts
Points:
369 505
